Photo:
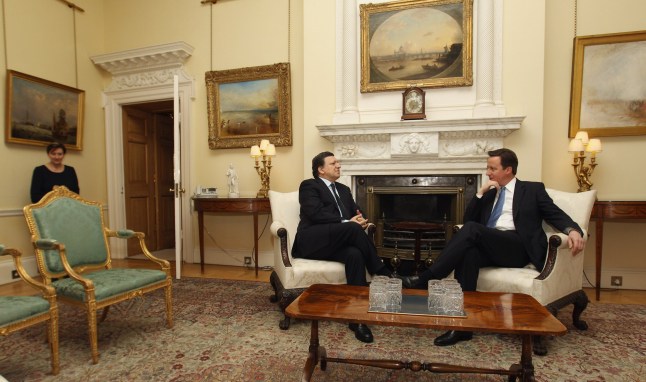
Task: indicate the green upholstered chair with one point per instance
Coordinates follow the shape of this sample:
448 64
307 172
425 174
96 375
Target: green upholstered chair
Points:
20 312
73 255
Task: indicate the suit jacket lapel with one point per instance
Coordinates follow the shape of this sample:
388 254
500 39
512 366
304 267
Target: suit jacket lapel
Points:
519 194
327 191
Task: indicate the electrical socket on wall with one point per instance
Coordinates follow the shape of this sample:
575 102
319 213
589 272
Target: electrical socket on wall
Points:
14 274
616 280
247 260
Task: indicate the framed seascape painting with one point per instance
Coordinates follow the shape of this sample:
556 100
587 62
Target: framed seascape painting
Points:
422 43
609 85
249 104
40 112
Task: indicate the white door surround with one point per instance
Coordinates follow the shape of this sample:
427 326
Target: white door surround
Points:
139 76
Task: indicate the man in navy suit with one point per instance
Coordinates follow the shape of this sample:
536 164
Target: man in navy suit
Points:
506 234
332 228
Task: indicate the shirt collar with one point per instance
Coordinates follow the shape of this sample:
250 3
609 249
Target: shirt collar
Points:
327 182
511 186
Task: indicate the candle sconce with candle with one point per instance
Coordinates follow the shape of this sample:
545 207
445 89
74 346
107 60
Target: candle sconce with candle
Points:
579 146
262 155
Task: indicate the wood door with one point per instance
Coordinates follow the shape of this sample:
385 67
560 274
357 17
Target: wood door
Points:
165 194
139 176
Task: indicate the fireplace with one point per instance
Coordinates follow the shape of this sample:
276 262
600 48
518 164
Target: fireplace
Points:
399 205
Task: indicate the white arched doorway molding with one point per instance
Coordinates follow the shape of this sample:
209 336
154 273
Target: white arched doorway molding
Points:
140 76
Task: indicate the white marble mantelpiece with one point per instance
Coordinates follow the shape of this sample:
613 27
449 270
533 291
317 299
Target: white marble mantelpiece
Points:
436 147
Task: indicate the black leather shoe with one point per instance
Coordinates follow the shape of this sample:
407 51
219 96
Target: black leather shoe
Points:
410 282
452 337
362 332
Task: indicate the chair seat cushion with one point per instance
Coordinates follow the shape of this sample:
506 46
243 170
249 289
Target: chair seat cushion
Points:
17 308
306 272
512 280
108 283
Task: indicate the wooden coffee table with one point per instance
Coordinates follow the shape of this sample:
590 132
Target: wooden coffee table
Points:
487 312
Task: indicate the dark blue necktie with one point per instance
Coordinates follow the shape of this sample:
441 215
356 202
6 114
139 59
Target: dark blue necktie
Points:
339 204
497 209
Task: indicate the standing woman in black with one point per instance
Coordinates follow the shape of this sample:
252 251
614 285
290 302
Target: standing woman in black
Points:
53 173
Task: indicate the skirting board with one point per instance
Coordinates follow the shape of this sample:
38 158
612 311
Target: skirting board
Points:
233 257
632 278
7 266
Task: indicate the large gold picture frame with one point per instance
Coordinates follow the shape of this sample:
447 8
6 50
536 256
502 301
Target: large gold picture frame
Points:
608 96
40 112
422 43
249 104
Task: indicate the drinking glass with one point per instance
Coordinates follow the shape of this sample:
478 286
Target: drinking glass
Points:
435 299
394 295
454 302
377 296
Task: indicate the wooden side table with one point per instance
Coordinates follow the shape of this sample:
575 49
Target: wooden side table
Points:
612 210
252 206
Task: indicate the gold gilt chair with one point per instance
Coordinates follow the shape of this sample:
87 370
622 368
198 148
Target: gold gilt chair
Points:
70 239
20 312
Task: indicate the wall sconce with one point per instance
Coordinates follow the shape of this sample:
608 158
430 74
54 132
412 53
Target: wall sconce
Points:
265 151
579 146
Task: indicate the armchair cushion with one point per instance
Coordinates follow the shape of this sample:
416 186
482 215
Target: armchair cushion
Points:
17 308
109 283
19 312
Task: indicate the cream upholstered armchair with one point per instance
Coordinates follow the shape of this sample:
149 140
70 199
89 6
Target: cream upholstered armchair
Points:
20 312
291 276
73 256
560 281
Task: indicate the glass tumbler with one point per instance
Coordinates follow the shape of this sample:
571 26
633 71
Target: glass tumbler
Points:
377 296
435 299
394 295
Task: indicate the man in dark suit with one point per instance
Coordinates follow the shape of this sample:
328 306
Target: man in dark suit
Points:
332 228
506 234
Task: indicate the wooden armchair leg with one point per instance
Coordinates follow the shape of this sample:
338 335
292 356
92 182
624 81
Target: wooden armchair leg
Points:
539 346
168 293
52 336
104 313
92 333
580 303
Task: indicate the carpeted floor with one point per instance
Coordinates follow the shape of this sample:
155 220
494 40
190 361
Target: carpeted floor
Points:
228 331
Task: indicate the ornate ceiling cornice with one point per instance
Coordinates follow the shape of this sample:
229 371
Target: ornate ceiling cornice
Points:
151 58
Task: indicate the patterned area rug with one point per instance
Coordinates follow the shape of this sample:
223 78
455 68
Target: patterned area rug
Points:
228 331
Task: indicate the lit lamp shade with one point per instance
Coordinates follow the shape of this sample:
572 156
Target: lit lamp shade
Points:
255 151
594 146
575 145
263 144
270 150
583 136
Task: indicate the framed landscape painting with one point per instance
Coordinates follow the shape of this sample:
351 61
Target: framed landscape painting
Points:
247 105
40 112
609 85
421 43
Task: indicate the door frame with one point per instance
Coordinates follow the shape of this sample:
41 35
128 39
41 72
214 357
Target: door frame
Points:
113 101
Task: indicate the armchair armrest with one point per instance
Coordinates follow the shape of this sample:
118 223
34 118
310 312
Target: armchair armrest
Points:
51 244
558 245
48 291
128 234
280 232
